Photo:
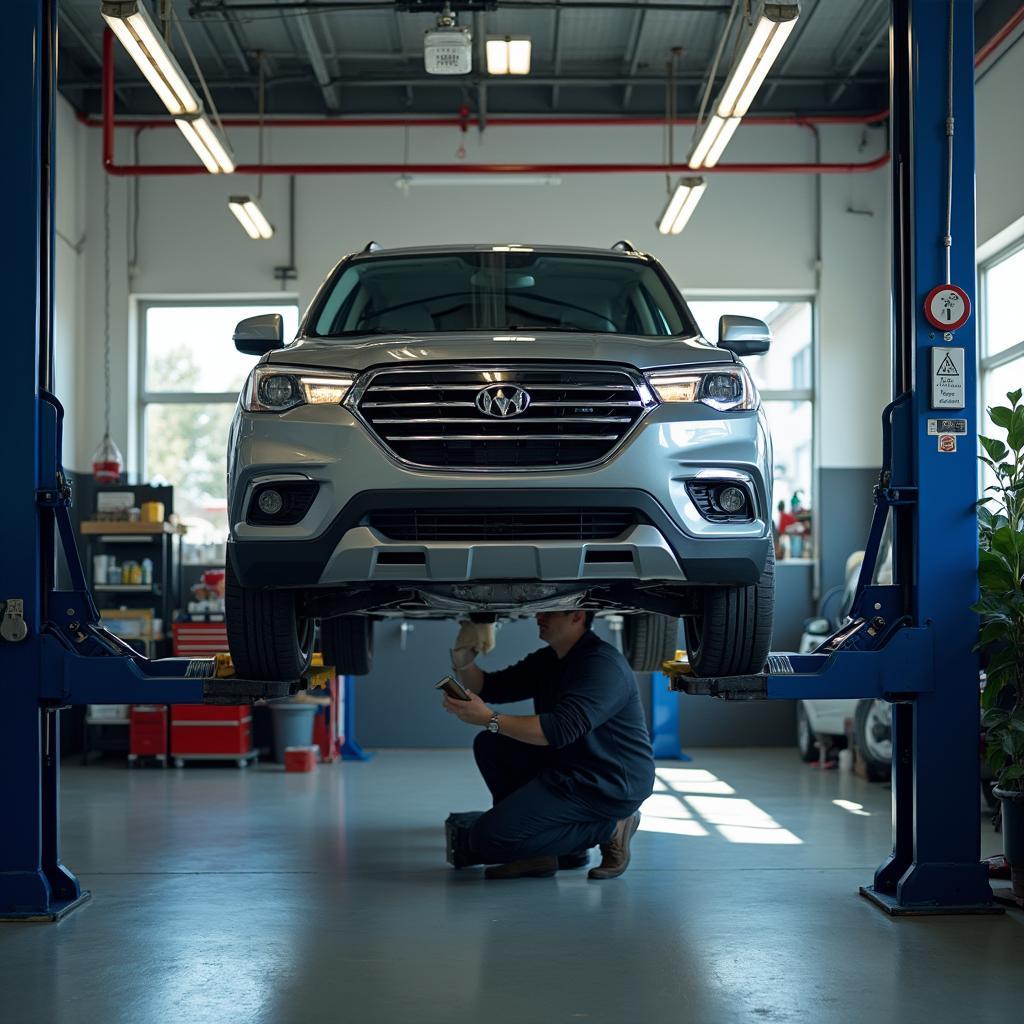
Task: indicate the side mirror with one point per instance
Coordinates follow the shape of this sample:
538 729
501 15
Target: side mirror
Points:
744 335
258 335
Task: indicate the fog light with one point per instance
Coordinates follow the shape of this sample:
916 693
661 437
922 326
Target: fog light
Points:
731 499
270 502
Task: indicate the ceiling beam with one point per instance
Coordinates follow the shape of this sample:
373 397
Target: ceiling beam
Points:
632 55
791 48
881 33
86 44
861 22
329 91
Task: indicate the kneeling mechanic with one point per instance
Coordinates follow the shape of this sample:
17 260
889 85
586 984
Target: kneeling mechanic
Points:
570 776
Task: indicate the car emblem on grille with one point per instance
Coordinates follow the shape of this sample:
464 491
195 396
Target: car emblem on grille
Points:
502 400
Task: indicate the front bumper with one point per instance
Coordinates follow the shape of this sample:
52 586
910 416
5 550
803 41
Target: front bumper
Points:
332 545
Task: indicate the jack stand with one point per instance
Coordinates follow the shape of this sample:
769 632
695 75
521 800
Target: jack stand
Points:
350 749
665 720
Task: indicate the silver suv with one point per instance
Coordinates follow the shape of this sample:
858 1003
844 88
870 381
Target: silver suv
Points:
490 430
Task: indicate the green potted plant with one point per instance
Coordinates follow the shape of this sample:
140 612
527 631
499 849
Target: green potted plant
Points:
1001 607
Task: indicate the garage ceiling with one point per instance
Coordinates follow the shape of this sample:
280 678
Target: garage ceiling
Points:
366 57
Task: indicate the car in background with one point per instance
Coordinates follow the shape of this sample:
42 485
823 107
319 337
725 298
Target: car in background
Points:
494 430
829 723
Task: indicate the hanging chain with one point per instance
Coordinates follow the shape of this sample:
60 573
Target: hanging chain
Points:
106 305
947 239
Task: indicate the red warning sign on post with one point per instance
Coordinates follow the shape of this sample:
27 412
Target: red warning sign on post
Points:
947 307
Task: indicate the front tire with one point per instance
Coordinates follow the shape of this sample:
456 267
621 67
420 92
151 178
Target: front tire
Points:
267 636
648 640
732 633
347 644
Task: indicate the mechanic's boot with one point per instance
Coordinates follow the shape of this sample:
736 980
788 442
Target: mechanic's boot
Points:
615 853
577 859
533 867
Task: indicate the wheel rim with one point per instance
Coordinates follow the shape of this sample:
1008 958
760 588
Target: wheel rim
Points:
878 732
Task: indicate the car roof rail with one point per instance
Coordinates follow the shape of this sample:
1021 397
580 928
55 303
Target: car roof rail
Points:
372 247
624 245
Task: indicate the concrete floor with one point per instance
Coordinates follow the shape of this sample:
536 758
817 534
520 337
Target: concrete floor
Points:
228 896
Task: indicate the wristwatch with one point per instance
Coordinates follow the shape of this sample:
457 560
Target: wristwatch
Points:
492 725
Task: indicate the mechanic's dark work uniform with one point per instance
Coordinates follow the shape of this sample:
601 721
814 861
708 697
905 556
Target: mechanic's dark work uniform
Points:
597 770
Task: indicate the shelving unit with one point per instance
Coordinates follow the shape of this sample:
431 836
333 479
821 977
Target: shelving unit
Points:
161 543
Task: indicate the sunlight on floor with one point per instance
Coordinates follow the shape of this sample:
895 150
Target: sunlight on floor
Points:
849 805
684 795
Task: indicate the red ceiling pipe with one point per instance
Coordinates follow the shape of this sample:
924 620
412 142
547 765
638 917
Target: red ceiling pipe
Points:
148 170
999 38
492 122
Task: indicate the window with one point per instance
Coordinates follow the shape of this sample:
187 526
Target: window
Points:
1002 331
785 377
499 291
191 374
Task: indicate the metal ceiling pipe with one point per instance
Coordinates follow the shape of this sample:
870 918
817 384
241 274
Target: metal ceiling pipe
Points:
152 170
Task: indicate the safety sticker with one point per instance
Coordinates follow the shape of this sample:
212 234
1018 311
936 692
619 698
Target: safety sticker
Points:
947 307
947 442
948 388
947 427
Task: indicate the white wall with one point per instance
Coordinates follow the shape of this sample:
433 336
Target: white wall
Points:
750 234
71 243
1000 144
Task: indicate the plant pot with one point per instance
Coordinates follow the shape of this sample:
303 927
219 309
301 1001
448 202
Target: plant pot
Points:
1012 801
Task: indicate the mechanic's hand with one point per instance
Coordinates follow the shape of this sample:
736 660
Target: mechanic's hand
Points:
477 635
473 711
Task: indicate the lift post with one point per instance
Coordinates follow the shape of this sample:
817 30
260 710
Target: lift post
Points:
910 642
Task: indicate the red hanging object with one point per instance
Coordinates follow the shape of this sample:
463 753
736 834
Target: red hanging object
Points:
107 462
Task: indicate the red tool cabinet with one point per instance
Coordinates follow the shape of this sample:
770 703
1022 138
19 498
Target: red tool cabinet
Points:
147 732
200 732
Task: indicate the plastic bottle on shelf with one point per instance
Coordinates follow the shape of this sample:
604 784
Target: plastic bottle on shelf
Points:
147 571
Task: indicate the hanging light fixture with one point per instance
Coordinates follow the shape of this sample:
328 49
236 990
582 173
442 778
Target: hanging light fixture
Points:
107 463
773 27
250 216
681 205
130 22
508 56
246 208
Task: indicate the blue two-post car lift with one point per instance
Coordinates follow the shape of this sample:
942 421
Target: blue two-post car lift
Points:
908 642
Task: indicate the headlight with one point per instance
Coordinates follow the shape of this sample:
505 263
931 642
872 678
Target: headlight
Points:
270 389
726 389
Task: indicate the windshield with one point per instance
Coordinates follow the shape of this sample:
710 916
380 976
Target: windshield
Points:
500 291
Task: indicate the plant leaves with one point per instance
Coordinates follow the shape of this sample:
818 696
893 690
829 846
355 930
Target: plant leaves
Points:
996 450
1001 416
1012 774
1015 435
994 717
1014 396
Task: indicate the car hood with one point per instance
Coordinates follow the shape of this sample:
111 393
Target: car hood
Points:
478 347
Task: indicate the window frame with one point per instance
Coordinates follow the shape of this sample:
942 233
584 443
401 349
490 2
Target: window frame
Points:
147 398
986 362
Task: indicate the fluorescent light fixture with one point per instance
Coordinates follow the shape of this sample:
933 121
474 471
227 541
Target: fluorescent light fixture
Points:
770 34
207 143
250 216
407 181
508 56
712 141
681 205
131 23
773 27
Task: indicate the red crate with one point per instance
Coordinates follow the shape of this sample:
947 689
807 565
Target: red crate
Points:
299 759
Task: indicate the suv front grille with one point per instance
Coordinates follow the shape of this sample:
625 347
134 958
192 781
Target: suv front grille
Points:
502 524
431 418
